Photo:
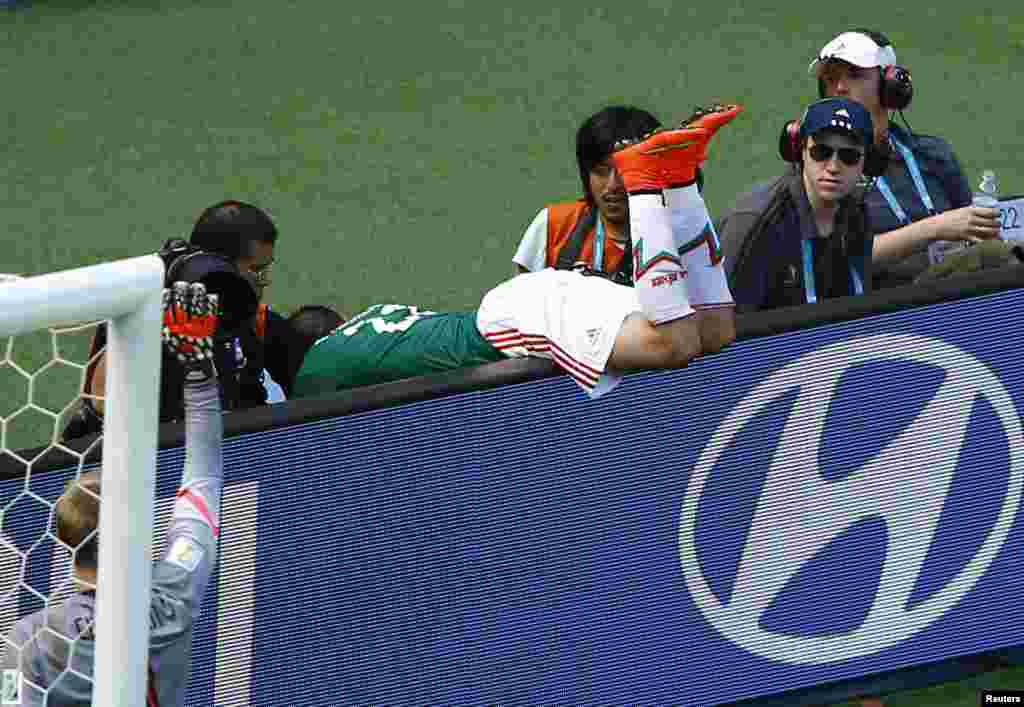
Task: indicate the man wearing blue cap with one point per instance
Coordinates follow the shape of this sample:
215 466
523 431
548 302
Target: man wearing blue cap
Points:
803 236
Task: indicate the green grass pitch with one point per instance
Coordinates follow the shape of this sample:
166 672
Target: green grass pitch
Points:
403 147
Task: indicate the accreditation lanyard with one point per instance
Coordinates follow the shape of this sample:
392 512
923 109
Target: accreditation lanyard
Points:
599 246
856 280
915 175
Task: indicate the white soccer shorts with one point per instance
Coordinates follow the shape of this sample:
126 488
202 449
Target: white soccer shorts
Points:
560 315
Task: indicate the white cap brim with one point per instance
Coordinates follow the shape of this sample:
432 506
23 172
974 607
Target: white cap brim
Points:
856 49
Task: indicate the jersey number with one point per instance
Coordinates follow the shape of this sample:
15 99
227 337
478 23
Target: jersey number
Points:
386 319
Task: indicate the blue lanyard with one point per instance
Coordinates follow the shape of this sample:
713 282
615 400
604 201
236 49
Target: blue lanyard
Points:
915 174
599 246
809 288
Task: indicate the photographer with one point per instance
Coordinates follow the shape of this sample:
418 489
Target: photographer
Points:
592 232
230 251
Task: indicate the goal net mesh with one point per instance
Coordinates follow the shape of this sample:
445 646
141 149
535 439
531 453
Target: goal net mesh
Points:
47 325
41 383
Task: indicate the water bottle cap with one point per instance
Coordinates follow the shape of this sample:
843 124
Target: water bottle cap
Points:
988 182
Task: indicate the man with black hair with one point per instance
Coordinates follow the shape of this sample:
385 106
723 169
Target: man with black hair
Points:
592 232
308 324
247 235
242 232
51 652
231 250
922 202
804 236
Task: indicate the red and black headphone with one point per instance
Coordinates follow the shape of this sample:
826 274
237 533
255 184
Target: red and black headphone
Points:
896 87
876 157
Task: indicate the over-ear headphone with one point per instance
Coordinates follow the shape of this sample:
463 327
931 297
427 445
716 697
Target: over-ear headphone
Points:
789 142
895 86
896 89
876 158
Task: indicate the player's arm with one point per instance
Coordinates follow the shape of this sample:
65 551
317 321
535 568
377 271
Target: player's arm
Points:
640 344
717 328
709 292
706 283
181 577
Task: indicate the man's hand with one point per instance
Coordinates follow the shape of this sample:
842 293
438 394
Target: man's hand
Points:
190 320
969 223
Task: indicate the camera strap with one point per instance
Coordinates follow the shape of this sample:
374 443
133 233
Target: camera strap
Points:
568 257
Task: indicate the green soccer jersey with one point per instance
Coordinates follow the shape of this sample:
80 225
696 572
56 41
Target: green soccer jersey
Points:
389 342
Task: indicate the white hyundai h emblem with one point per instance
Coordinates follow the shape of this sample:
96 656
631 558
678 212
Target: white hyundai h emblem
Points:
788 526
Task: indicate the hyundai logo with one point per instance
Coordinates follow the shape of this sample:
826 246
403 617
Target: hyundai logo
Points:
798 512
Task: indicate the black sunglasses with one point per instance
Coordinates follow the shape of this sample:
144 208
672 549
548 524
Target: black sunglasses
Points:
847 155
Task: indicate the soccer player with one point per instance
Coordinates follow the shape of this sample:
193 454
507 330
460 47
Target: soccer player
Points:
36 655
591 327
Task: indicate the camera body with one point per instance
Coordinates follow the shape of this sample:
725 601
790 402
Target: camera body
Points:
239 304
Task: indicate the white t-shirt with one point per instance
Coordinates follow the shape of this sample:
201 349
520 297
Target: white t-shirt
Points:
532 253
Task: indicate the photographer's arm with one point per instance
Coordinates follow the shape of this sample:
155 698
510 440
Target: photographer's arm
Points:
96 385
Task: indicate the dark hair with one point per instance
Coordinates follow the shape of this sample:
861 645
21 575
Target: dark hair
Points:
230 227
306 326
598 134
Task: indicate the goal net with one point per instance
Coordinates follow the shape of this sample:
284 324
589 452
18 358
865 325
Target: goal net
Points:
46 325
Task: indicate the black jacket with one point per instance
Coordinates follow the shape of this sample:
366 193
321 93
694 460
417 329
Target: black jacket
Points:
762 240
246 355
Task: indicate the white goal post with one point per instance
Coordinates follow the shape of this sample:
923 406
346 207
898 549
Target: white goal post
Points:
128 293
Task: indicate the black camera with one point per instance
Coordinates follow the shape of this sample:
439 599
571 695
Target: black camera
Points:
239 302
618 277
185 262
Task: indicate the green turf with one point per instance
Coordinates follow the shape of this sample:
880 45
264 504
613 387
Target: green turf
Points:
403 147
963 693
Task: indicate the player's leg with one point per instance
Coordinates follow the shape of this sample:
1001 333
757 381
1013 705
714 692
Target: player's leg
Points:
648 167
700 255
664 165
640 344
699 248
667 211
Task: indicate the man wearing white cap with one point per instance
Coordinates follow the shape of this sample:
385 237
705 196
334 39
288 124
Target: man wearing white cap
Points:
923 197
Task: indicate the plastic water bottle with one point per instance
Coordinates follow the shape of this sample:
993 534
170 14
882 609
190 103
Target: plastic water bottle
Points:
987 195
